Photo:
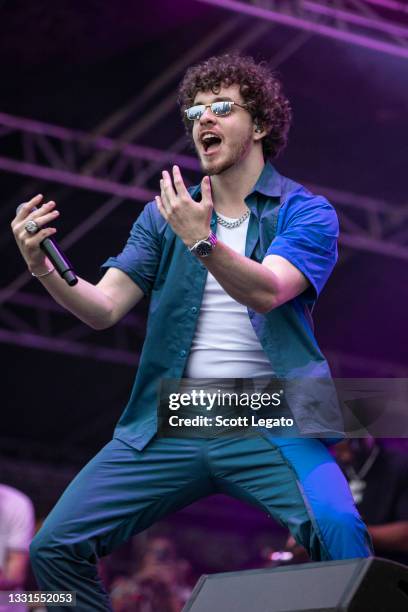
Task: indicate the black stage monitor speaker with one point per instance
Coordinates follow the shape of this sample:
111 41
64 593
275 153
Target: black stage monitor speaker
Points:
353 585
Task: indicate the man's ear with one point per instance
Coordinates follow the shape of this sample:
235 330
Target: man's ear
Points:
259 132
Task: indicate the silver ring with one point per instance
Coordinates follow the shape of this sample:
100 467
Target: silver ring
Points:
31 227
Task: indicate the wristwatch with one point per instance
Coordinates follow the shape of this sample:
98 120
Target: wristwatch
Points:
204 247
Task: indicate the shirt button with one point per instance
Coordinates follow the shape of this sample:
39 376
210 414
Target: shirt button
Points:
212 222
194 309
183 353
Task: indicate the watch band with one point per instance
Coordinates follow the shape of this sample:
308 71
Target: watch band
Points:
212 239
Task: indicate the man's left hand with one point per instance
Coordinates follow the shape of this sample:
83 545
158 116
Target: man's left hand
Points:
190 220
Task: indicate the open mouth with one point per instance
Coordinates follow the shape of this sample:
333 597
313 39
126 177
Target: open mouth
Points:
210 143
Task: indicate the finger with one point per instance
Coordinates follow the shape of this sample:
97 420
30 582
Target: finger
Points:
168 187
181 189
164 199
43 219
160 206
32 241
206 190
25 209
43 209
44 233
42 216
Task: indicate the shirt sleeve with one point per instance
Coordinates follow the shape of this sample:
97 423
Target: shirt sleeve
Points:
141 255
307 237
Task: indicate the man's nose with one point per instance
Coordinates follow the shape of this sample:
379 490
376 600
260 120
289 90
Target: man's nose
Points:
208 116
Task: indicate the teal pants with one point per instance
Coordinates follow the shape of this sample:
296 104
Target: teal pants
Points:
122 491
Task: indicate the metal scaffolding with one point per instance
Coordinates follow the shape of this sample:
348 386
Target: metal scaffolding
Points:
114 167
372 24
122 170
55 154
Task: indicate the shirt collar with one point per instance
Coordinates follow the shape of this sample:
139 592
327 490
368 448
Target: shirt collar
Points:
269 183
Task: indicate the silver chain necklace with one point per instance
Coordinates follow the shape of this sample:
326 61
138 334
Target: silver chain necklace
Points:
236 222
365 468
356 479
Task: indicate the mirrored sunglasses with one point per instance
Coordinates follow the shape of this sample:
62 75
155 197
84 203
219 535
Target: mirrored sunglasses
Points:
220 109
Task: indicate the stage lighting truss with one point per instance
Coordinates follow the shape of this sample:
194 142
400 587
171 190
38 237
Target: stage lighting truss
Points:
95 162
55 154
123 171
380 25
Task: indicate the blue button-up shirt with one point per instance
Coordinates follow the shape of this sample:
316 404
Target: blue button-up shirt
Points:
286 220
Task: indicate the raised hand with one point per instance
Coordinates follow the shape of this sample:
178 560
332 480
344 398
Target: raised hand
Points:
190 220
29 244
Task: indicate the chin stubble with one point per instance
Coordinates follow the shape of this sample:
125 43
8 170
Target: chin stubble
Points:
236 155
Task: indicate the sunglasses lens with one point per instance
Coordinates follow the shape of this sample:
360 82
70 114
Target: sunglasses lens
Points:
218 108
221 108
195 112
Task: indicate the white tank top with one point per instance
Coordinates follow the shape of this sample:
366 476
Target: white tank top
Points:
225 344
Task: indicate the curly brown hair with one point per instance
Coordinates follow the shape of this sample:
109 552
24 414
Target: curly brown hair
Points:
260 89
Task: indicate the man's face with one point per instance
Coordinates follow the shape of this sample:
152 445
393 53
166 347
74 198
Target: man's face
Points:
234 132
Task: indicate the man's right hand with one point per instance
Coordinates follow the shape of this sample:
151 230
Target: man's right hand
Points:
29 244
99 306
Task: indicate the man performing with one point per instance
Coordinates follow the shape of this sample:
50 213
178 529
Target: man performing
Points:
232 267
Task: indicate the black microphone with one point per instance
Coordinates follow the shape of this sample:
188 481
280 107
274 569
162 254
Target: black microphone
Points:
57 258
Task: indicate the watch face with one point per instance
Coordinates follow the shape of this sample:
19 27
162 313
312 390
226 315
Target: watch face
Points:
204 248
